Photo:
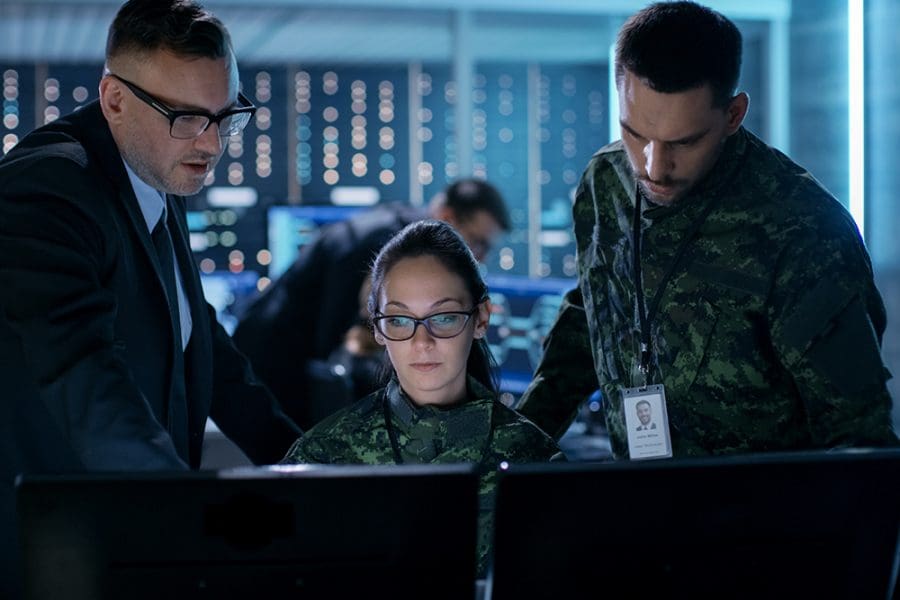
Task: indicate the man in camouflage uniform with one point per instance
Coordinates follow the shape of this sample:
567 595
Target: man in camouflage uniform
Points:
760 315
387 428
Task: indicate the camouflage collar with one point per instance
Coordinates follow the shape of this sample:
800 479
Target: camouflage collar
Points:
429 434
408 413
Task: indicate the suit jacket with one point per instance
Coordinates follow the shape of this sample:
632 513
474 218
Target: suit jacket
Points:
87 343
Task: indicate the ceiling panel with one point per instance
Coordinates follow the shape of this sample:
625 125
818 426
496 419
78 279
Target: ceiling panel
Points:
359 31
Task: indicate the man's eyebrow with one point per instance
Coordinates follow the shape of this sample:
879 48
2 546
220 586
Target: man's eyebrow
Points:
685 140
628 128
690 138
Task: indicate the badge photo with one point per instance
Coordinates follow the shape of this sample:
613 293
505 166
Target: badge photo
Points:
647 422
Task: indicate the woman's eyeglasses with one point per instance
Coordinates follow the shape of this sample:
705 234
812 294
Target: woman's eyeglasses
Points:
440 325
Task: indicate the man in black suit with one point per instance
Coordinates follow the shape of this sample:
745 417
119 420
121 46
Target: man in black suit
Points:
110 357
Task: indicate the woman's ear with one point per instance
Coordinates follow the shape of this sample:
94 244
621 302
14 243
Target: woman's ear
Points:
482 319
379 338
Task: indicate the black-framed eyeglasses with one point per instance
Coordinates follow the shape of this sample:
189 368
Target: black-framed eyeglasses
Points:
190 124
443 325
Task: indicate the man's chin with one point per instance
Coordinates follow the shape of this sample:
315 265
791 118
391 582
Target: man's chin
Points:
187 187
661 195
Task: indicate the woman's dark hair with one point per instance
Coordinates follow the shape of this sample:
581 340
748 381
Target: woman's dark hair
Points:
180 26
679 46
441 241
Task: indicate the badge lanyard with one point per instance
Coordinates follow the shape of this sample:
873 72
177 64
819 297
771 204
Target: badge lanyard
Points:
646 318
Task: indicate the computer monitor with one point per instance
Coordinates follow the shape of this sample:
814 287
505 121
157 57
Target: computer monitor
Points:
229 293
523 311
804 525
291 532
290 227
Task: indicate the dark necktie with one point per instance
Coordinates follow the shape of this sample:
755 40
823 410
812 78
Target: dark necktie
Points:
175 409
162 241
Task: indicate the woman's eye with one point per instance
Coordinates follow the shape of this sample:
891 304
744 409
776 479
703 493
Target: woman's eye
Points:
444 319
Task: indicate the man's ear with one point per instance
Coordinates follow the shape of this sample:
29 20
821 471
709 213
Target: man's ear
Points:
736 111
111 99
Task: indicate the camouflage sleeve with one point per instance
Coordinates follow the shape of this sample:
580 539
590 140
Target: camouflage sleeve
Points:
827 319
565 376
305 450
316 445
516 439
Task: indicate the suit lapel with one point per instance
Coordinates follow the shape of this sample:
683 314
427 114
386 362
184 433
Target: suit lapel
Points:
197 364
102 144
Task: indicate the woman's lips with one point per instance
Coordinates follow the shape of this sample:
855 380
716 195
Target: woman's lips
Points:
425 367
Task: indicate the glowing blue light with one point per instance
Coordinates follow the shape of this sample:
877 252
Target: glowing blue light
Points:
856 112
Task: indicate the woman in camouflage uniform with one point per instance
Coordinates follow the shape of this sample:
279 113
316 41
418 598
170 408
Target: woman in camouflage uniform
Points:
440 405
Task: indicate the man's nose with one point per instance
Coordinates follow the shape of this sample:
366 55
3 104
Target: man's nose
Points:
209 141
658 161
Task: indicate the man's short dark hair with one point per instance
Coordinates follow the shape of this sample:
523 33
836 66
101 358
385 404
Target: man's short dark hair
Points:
679 46
180 26
468 196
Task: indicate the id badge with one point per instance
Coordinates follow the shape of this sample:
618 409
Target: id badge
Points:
647 422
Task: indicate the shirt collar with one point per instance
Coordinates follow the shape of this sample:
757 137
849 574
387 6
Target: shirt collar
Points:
151 200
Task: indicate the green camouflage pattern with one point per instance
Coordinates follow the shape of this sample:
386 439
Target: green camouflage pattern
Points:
768 334
480 431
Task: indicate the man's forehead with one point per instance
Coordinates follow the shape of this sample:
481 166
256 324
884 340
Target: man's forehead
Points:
481 219
665 116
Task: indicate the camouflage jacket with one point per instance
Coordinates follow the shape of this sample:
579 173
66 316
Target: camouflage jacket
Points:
481 431
768 334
